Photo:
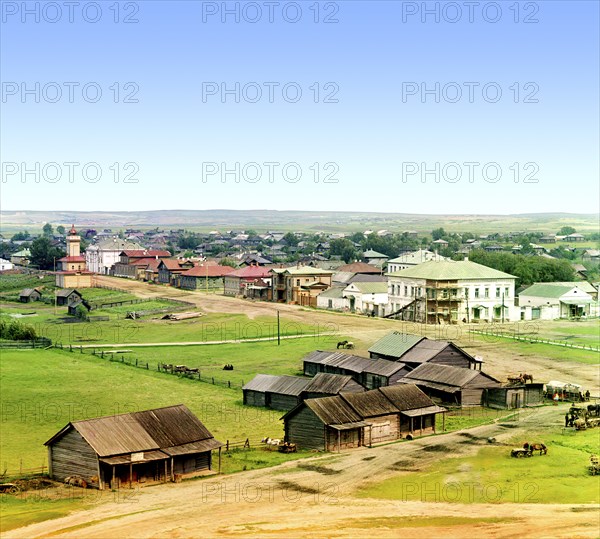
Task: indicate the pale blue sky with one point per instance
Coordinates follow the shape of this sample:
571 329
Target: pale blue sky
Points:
367 57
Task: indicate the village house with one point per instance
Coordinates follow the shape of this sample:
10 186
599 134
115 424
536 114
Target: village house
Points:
574 237
367 372
169 270
413 350
333 299
367 297
6 265
591 256
451 292
133 263
21 258
299 285
373 257
133 449
238 282
72 270
453 385
285 392
408 260
549 301
204 276
100 257
351 420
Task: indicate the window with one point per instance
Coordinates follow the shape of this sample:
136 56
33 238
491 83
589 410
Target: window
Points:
486 293
477 292
297 282
330 303
498 292
506 292
405 290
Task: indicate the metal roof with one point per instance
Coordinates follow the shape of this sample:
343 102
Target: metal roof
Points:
451 270
370 287
395 344
171 429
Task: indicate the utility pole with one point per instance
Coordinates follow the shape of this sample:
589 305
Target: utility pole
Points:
55 291
278 333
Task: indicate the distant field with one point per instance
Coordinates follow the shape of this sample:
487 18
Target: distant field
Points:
492 476
16 282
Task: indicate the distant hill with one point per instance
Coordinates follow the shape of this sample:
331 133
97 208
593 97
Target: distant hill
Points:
298 220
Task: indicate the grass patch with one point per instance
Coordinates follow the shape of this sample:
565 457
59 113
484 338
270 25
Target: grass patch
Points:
492 476
240 460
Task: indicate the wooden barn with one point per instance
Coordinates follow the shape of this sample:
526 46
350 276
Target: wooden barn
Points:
279 392
67 296
27 295
514 396
130 449
368 372
350 420
414 350
452 385
284 392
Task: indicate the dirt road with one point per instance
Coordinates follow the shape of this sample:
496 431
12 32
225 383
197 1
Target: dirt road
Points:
498 360
317 498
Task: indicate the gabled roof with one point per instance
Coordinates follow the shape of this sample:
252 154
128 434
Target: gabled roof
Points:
283 385
251 272
66 292
370 253
324 382
550 290
395 344
144 253
302 270
424 350
417 257
359 267
406 396
450 270
352 363
210 270
445 374
174 430
369 403
369 288
332 410
335 292
28 292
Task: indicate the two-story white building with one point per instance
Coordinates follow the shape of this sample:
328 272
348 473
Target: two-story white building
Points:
367 297
452 292
101 256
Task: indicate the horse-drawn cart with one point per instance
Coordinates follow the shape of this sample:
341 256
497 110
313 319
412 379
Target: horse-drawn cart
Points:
9 488
520 452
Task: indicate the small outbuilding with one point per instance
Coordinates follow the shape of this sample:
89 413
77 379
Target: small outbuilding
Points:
27 295
152 446
67 296
514 396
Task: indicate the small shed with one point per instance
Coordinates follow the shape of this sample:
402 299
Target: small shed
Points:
130 449
27 295
67 296
514 396
455 385
279 392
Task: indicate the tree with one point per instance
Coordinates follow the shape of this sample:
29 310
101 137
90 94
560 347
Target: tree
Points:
566 230
21 236
290 239
43 253
228 262
438 233
61 230
48 230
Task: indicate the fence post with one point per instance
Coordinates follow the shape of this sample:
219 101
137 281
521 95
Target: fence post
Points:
70 348
81 349
147 368
228 383
213 380
136 362
227 446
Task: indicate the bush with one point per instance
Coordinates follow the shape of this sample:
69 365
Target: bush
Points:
13 330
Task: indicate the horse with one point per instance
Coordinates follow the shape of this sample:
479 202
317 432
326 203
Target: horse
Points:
341 344
536 447
594 409
349 345
525 377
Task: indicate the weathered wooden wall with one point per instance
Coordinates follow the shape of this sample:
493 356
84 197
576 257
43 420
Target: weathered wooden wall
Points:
71 455
305 429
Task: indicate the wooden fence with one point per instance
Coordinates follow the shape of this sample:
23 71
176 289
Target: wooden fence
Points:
532 340
22 473
38 342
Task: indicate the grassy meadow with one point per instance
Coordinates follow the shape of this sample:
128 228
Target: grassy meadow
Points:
493 476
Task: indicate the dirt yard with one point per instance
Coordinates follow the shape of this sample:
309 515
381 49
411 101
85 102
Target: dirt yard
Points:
315 498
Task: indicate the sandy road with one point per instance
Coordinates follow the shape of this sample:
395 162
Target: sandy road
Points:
316 498
499 361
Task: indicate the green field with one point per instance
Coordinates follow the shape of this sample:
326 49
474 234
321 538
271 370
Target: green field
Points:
492 476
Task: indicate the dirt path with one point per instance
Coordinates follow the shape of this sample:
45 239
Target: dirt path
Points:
316 498
498 360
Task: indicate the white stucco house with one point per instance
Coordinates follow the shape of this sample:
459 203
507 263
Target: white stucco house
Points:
408 260
367 297
333 299
549 301
451 292
101 256
6 265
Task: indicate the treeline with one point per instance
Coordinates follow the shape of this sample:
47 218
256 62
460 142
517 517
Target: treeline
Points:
13 330
527 269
